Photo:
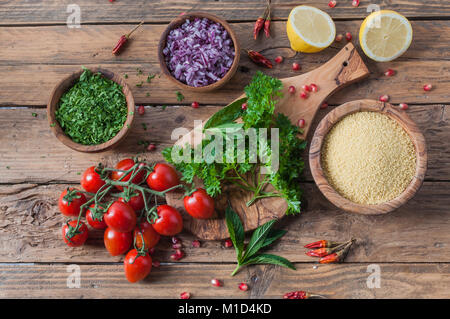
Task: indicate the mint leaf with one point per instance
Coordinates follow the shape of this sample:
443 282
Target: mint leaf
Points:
236 231
227 114
257 239
273 235
270 259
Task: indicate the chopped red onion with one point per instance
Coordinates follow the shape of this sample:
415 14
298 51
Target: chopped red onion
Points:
199 52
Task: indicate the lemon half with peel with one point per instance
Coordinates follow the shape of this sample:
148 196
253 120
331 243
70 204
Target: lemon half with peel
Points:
385 35
310 29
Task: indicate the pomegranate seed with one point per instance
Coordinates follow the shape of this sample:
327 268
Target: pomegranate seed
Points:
111 0
403 106
314 88
332 3
177 246
178 255
355 3
196 244
182 13
244 106
291 89
185 295
151 147
301 123
228 243
141 110
156 263
176 240
279 59
427 87
306 88
339 37
324 105
304 95
194 105
389 72
384 98
243 286
348 36
296 66
216 282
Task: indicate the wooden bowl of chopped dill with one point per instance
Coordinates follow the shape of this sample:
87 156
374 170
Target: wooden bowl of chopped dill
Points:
91 110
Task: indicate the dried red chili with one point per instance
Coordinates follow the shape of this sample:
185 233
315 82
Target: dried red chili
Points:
322 244
322 252
267 23
124 39
337 256
300 295
259 59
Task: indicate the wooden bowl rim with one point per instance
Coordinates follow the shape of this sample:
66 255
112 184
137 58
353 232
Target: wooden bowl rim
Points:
396 114
62 87
180 20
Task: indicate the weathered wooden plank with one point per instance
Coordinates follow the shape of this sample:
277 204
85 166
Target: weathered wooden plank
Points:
332 281
53 11
30 230
28 78
29 153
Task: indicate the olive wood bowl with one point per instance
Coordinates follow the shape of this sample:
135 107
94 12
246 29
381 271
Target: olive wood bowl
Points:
64 85
394 113
179 21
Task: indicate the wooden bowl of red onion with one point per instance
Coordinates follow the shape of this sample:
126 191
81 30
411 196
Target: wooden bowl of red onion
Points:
199 52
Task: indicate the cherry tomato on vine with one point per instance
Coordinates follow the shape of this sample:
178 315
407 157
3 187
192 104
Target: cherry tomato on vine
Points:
91 181
136 266
80 236
136 201
124 165
117 243
169 221
163 177
145 230
120 217
72 206
94 223
199 204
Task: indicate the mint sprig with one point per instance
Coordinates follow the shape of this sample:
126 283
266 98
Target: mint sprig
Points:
263 236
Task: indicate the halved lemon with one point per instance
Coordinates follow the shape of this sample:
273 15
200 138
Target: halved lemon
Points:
385 35
310 29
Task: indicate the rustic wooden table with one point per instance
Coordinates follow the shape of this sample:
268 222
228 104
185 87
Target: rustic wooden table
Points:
411 245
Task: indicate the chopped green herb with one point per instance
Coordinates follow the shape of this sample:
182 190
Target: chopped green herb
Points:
78 173
34 114
150 77
164 107
131 113
139 71
144 126
93 111
7 167
180 97
125 76
140 84
147 94
52 125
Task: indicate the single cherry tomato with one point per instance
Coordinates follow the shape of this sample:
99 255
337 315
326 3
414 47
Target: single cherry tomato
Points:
94 223
199 204
163 177
91 181
124 165
120 217
71 206
137 266
169 221
117 243
136 201
80 235
145 230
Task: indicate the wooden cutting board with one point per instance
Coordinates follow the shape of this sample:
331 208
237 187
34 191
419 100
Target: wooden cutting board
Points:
344 68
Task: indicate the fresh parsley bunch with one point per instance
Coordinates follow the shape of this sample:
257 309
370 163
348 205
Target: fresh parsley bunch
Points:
262 95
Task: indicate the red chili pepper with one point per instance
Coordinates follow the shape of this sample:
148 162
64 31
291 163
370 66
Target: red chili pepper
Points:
337 256
124 39
258 58
322 244
322 252
300 295
258 26
267 23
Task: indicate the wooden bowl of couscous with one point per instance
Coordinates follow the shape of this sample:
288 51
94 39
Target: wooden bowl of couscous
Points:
368 157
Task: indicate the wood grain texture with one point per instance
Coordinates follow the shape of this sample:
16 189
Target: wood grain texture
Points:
54 11
344 68
29 77
63 86
29 149
392 112
30 230
168 281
